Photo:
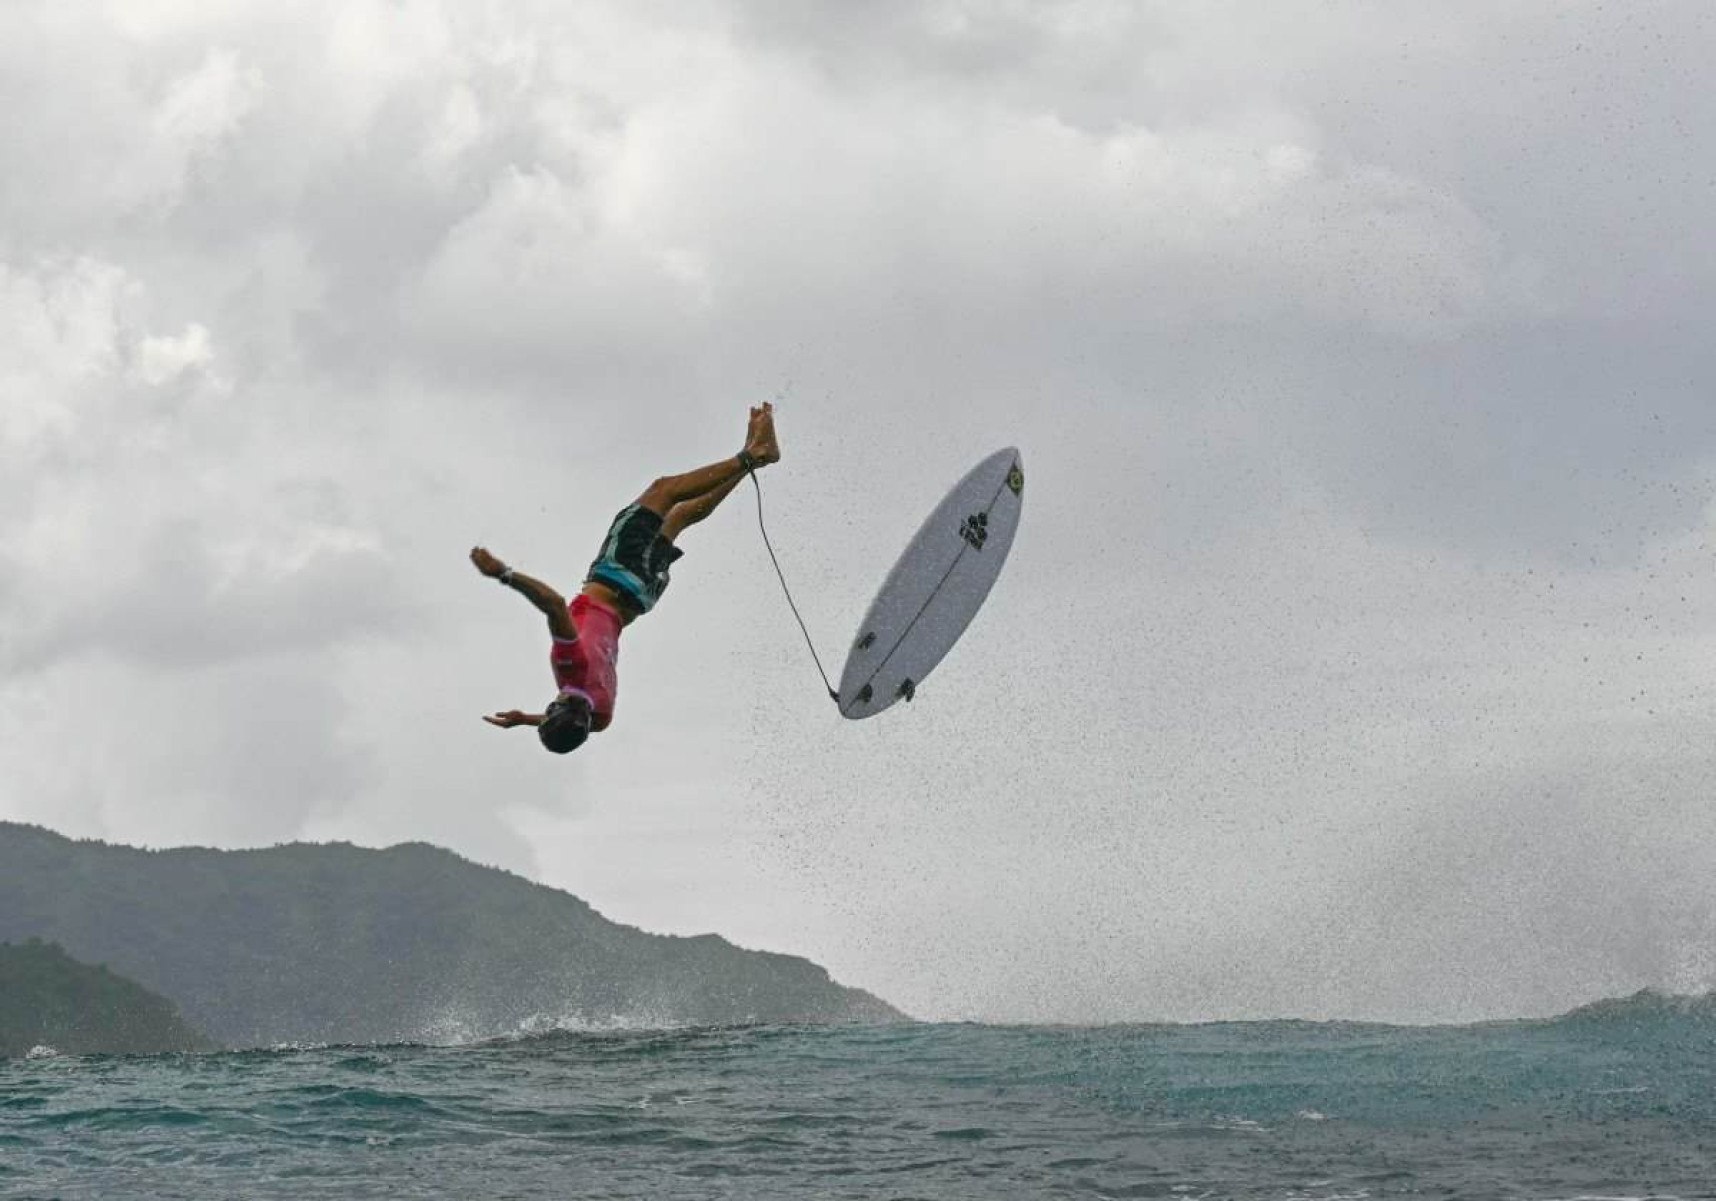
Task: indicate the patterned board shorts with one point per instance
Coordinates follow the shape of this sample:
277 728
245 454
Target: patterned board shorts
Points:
635 558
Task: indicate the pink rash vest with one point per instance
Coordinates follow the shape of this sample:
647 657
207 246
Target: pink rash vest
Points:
589 662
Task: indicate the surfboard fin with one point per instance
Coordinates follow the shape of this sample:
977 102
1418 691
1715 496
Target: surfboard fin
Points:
908 689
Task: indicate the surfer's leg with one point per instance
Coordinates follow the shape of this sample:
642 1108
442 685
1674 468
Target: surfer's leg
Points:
691 512
670 490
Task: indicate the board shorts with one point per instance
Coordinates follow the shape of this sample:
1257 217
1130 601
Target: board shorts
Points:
635 558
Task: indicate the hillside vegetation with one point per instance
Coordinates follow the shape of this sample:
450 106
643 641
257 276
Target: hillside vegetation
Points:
48 999
335 943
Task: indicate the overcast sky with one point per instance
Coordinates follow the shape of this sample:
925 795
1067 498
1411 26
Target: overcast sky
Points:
1357 654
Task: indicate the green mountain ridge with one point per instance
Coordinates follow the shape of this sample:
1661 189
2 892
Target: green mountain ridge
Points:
48 999
338 943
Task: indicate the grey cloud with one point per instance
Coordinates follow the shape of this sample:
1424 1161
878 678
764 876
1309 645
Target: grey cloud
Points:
170 608
1350 353
146 541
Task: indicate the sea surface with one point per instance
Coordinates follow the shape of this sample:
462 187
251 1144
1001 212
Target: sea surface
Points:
1620 1105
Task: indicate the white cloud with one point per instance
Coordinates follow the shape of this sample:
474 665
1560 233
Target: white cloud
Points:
165 358
197 111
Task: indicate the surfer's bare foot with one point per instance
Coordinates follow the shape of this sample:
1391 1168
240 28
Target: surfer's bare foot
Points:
760 441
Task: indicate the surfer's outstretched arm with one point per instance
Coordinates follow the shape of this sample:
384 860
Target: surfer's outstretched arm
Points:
513 717
552 604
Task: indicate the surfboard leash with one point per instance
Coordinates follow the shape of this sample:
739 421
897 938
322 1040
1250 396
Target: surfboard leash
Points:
803 629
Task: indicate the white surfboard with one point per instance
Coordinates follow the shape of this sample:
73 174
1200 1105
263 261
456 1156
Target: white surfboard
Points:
936 588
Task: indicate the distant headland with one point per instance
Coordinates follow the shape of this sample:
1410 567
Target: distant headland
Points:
49 1002
334 943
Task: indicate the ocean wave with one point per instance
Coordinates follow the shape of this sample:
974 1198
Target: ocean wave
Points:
939 1112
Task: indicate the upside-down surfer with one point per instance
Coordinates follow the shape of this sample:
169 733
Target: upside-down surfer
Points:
625 582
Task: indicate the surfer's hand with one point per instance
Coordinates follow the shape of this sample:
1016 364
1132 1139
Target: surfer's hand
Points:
509 719
487 563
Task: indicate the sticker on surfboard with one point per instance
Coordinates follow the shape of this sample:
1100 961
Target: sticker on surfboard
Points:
936 587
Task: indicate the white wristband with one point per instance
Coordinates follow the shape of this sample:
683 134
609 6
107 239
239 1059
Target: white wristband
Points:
505 576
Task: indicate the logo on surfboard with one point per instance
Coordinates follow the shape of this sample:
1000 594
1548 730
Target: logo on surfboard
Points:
975 530
1016 480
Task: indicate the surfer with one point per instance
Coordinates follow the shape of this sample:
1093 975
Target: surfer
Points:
625 582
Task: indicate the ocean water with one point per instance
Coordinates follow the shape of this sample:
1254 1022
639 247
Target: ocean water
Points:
1622 1105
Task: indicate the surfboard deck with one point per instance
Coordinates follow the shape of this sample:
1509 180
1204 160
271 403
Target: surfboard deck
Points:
935 588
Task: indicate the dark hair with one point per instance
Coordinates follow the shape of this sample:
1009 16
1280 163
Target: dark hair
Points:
566 724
